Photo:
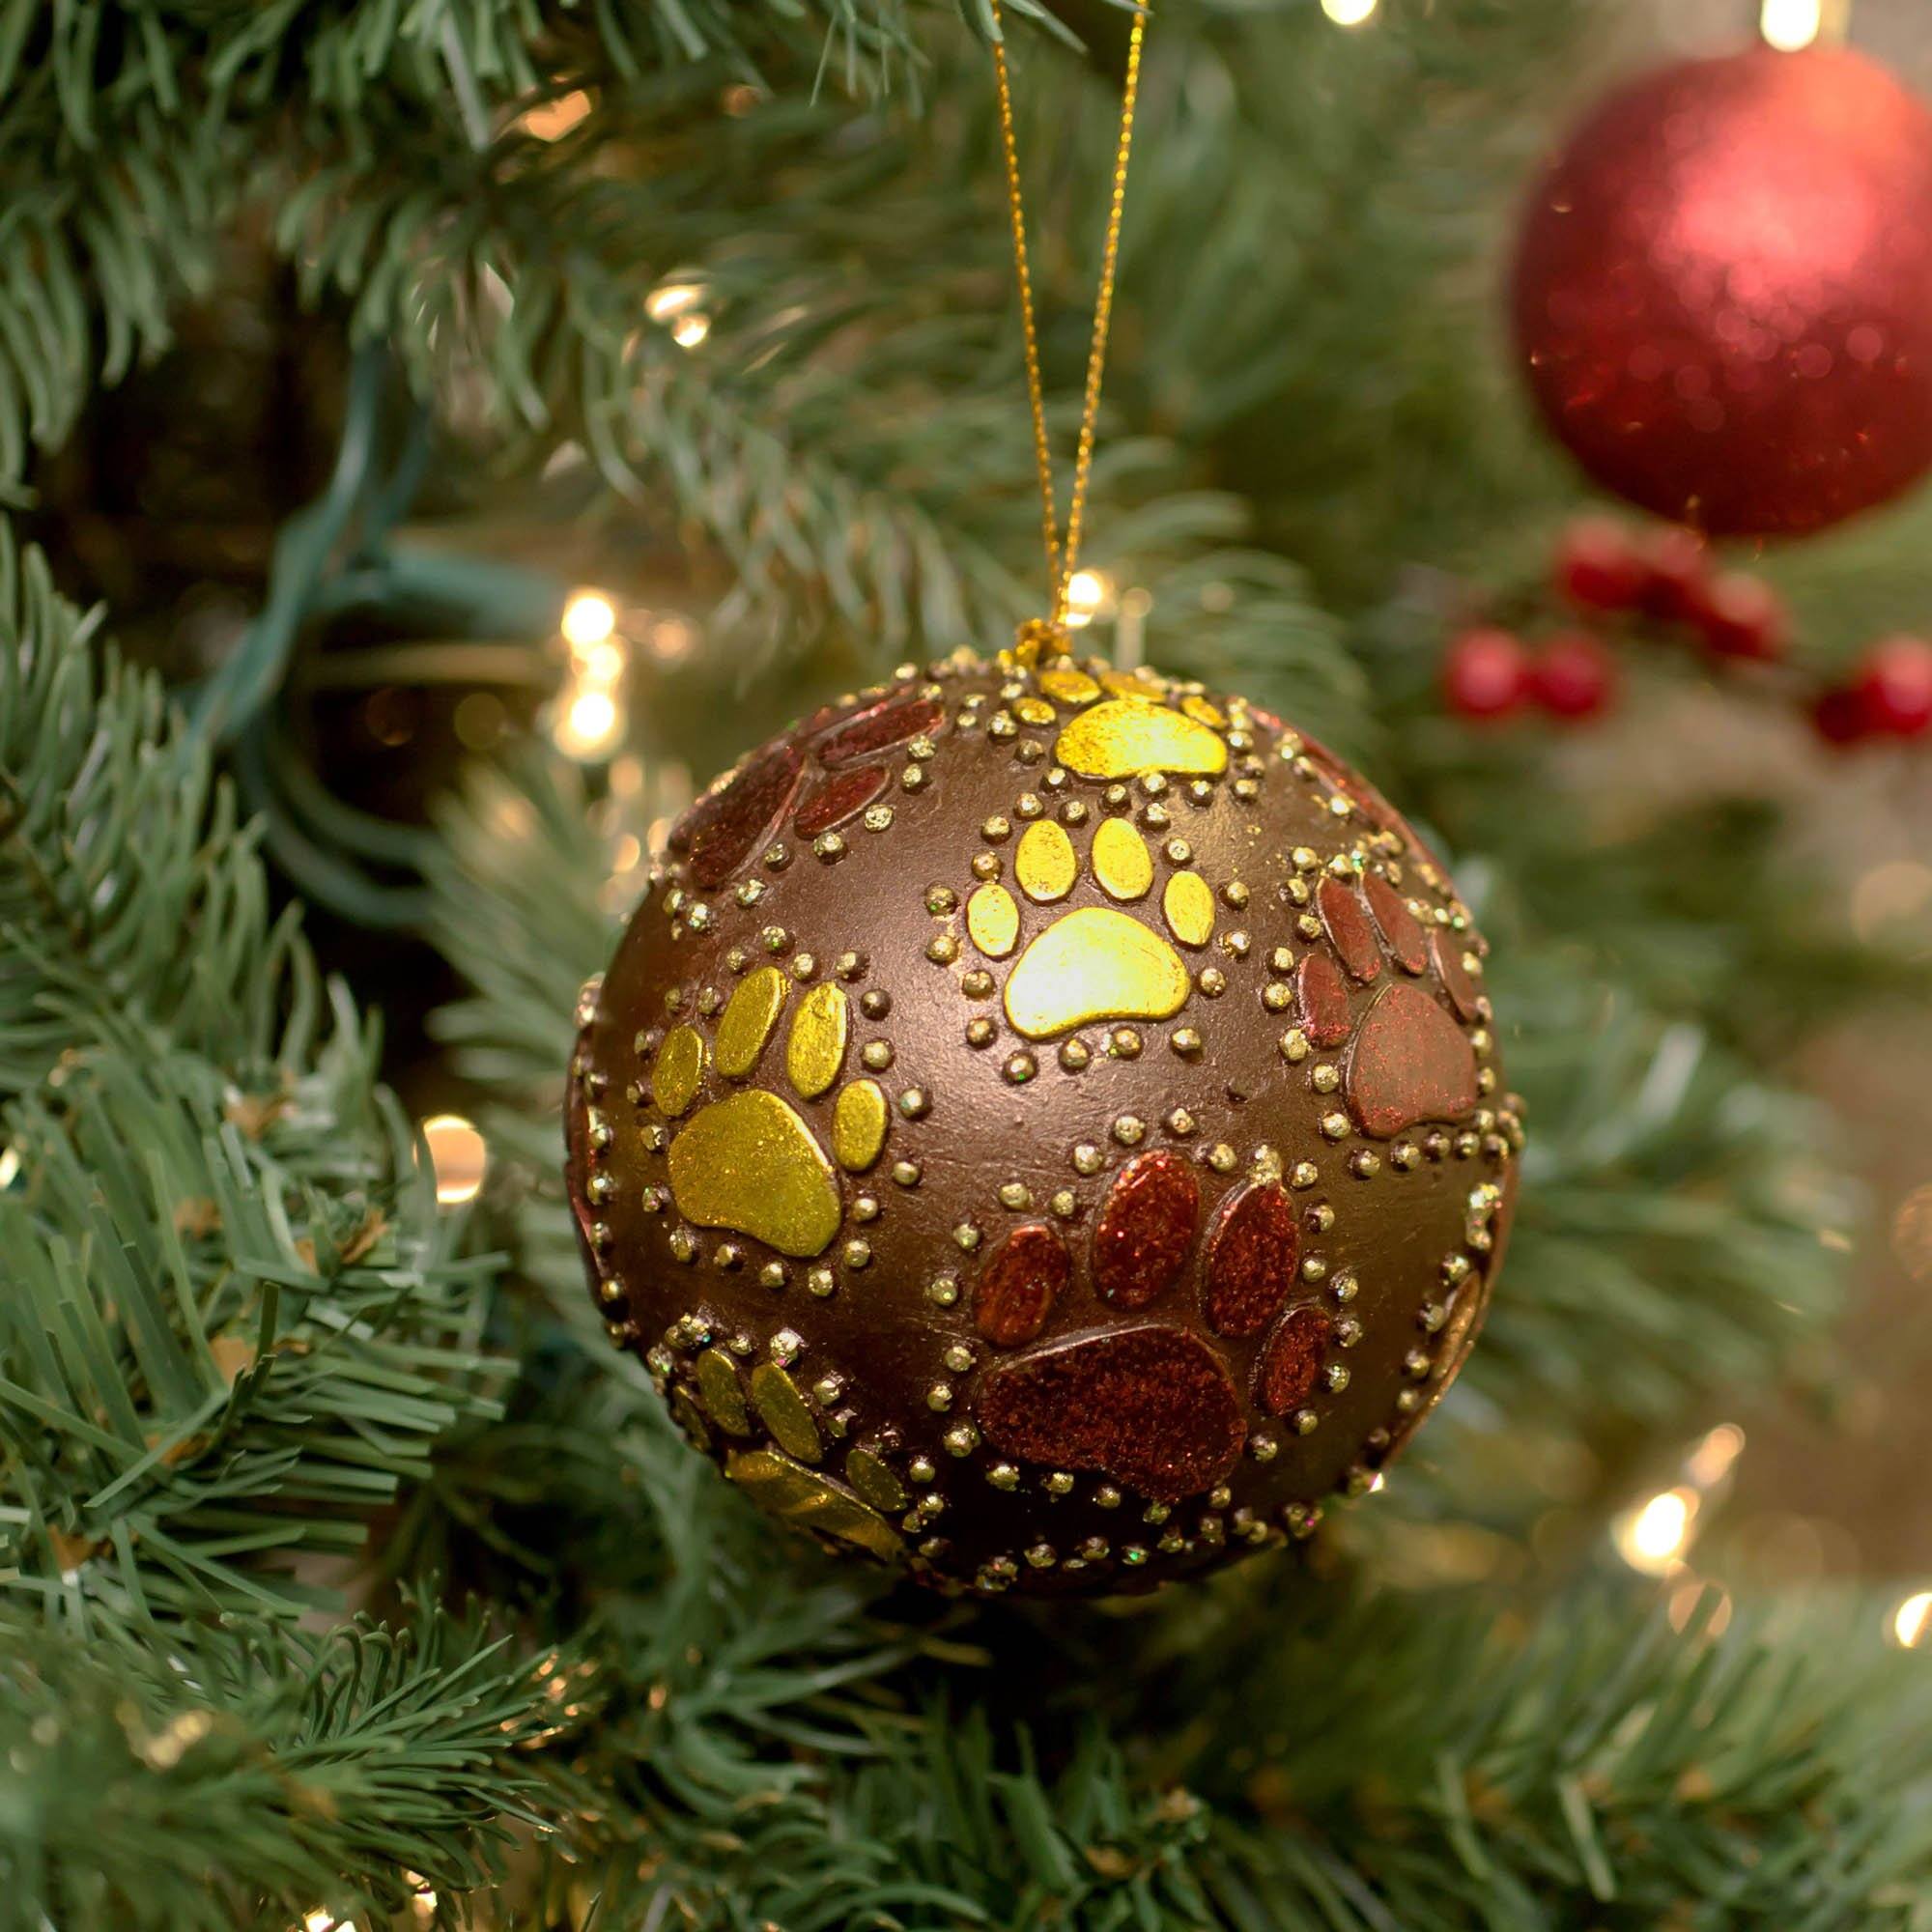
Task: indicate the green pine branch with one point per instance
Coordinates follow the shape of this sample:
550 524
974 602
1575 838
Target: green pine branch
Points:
250 1778
236 1320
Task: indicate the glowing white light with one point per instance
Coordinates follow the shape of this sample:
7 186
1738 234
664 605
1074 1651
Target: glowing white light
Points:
1347 12
602 665
690 329
1712 1459
10 1165
1653 1537
588 724
588 618
1791 24
672 299
458 1156
1913 1619
1087 591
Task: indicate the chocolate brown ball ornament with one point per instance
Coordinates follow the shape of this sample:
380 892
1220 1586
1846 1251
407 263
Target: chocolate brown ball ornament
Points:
1042 1128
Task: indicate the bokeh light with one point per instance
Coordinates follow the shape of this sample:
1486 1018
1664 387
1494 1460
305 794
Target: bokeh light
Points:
1791 24
1653 1537
1913 1620
457 1155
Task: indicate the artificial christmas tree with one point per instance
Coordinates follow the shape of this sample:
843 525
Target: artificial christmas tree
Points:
350 1574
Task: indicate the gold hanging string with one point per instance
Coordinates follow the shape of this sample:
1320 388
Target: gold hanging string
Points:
1062 554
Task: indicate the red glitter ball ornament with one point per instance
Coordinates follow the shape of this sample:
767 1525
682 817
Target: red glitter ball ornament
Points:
1724 291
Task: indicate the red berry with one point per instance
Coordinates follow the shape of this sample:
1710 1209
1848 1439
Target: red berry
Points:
1840 717
1894 685
1484 674
1574 676
1741 617
1676 573
1597 567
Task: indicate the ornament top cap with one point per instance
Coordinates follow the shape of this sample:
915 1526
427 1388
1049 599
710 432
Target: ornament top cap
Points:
1040 640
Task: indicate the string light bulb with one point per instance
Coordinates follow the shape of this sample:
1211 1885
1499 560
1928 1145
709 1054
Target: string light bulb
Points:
1087 594
1790 25
587 719
589 617
691 328
1347 12
1653 1538
670 299
458 1156
1911 1621
590 723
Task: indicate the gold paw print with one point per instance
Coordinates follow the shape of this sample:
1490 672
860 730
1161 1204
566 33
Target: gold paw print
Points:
1097 962
748 1162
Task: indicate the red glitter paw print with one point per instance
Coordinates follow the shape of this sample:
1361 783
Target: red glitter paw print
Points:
1164 1405
823 774
1151 1404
